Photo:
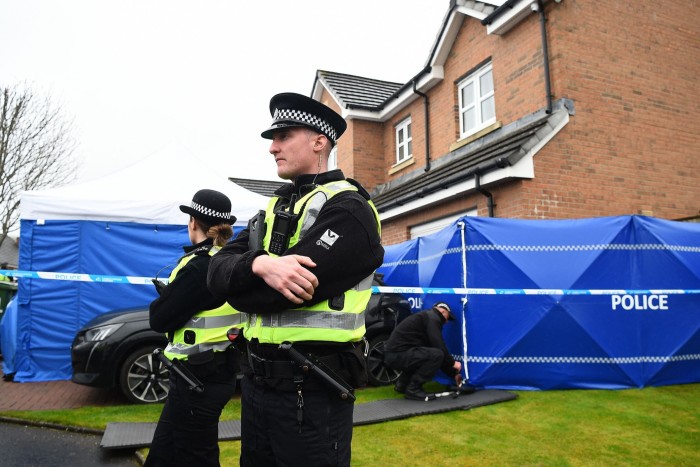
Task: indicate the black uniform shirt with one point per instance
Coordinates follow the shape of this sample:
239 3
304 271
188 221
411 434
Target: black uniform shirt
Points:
187 294
355 255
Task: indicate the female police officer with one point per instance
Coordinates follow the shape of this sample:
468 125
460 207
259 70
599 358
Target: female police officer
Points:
196 324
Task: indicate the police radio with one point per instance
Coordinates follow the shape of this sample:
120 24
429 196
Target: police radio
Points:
282 229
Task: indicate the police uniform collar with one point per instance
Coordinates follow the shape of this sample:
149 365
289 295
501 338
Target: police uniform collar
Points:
204 245
307 182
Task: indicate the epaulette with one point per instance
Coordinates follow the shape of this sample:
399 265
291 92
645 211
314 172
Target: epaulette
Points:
285 190
360 188
202 250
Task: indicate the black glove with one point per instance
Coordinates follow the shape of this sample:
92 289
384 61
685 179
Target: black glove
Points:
160 285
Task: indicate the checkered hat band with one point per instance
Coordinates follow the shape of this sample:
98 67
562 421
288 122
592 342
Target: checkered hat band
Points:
308 119
210 212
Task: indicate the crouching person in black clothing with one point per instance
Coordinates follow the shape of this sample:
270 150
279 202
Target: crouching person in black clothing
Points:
417 349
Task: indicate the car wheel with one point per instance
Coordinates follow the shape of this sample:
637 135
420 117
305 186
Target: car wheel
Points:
378 373
142 378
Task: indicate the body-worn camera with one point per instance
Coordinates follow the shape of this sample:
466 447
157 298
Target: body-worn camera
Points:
256 231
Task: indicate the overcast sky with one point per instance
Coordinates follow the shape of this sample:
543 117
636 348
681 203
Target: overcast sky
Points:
137 76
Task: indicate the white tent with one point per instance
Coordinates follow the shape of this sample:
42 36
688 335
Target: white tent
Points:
147 192
92 247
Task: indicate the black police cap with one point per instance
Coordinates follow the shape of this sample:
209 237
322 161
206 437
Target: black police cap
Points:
289 109
211 207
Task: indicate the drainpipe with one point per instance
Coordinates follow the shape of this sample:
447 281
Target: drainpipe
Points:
427 126
539 7
535 6
489 196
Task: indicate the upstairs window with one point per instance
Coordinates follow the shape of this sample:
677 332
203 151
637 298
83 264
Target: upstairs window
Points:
477 107
404 141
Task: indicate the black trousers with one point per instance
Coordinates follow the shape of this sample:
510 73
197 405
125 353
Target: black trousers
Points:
272 433
418 364
187 433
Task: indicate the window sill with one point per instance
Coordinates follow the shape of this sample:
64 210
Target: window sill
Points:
474 136
401 165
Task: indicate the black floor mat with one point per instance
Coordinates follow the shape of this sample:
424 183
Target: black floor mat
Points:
138 435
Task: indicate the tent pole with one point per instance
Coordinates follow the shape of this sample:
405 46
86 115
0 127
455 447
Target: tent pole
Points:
461 226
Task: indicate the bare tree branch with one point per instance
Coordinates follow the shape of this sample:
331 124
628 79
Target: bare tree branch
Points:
36 150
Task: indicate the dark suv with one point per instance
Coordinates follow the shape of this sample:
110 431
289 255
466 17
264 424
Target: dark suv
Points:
115 349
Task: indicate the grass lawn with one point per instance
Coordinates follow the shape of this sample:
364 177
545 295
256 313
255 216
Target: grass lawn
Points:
640 427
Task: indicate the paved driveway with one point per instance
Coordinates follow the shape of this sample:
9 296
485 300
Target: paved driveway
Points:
53 395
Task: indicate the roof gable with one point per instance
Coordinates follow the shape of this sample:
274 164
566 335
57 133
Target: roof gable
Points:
357 92
261 187
377 100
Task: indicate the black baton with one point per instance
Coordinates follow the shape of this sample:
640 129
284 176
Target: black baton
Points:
193 383
336 383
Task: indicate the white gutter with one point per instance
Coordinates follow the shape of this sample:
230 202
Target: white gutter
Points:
522 169
506 21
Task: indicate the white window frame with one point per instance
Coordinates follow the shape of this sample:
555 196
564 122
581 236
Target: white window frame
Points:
333 158
407 144
475 79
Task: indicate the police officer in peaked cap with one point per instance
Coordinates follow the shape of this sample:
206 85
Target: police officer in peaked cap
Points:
302 271
196 324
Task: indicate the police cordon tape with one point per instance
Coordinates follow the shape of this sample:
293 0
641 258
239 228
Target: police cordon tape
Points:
77 277
488 291
137 280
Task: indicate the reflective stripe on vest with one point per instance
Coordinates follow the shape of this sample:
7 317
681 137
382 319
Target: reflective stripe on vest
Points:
182 351
203 322
208 327
313 319
323 321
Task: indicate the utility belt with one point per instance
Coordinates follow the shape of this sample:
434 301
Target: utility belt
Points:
210 363
275 368
273 351
286 369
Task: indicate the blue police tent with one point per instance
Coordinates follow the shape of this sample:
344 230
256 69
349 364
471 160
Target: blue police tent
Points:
90 248
602 303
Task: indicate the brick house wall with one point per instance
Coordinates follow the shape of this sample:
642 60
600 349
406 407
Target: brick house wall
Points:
631 146
369 146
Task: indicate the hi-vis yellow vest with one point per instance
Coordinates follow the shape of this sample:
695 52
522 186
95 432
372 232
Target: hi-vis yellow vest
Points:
208 327
341 319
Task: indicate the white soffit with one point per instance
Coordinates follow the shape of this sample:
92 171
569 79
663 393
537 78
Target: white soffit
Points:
510 18
523 169
444 45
